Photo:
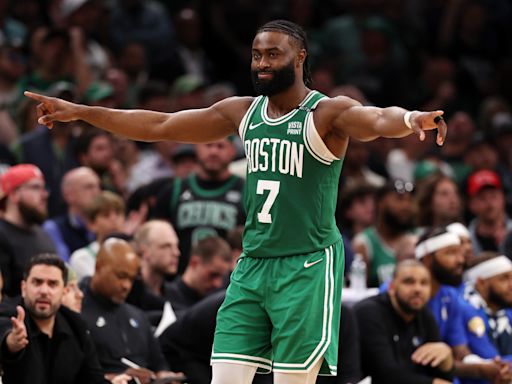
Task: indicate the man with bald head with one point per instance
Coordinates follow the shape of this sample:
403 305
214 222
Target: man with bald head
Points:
120 330
158 246
68 231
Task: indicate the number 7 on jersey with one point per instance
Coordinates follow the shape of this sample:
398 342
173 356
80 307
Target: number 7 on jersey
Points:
273 187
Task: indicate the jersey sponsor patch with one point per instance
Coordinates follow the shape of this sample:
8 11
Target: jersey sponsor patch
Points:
476 325
294 128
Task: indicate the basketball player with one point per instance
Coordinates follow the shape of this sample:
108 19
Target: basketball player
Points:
282 307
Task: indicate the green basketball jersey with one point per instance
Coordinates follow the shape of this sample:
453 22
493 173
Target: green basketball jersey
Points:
292 182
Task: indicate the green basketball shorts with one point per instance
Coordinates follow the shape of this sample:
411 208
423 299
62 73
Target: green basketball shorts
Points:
283 313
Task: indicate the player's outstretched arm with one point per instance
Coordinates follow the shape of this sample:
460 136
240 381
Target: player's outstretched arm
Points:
191 126
367 122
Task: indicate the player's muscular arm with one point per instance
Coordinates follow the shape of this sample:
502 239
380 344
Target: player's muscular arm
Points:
351 119
191 126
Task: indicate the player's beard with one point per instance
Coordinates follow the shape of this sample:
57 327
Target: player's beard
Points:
281 80
31 215
444 276
498 300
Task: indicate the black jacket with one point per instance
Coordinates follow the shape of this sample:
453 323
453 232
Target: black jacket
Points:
121 330
349 351
387 342
69 357
17 246
181 296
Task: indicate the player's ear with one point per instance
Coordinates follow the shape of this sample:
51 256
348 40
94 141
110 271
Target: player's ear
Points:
301 56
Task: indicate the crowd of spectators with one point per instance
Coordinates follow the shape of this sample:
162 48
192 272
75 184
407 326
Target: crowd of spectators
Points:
141 225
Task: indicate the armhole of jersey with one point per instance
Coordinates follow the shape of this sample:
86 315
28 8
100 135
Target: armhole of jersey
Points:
314 143
243 124
176 190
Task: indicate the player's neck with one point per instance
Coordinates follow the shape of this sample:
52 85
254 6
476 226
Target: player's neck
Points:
283 102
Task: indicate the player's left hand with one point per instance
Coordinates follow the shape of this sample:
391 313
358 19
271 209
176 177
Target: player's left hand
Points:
425 121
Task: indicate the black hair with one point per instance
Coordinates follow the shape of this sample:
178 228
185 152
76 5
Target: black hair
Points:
295 32
50 259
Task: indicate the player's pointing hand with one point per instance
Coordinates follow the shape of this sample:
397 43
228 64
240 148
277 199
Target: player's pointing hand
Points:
52 109
424 121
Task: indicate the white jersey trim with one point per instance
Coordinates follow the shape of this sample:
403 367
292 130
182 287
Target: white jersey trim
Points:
280 120
325 341
314 143
243 124
267 368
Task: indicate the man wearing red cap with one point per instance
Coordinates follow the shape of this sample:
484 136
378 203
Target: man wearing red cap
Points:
24 203
487 202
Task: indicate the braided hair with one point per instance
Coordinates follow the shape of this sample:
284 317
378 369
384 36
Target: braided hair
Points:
295 32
